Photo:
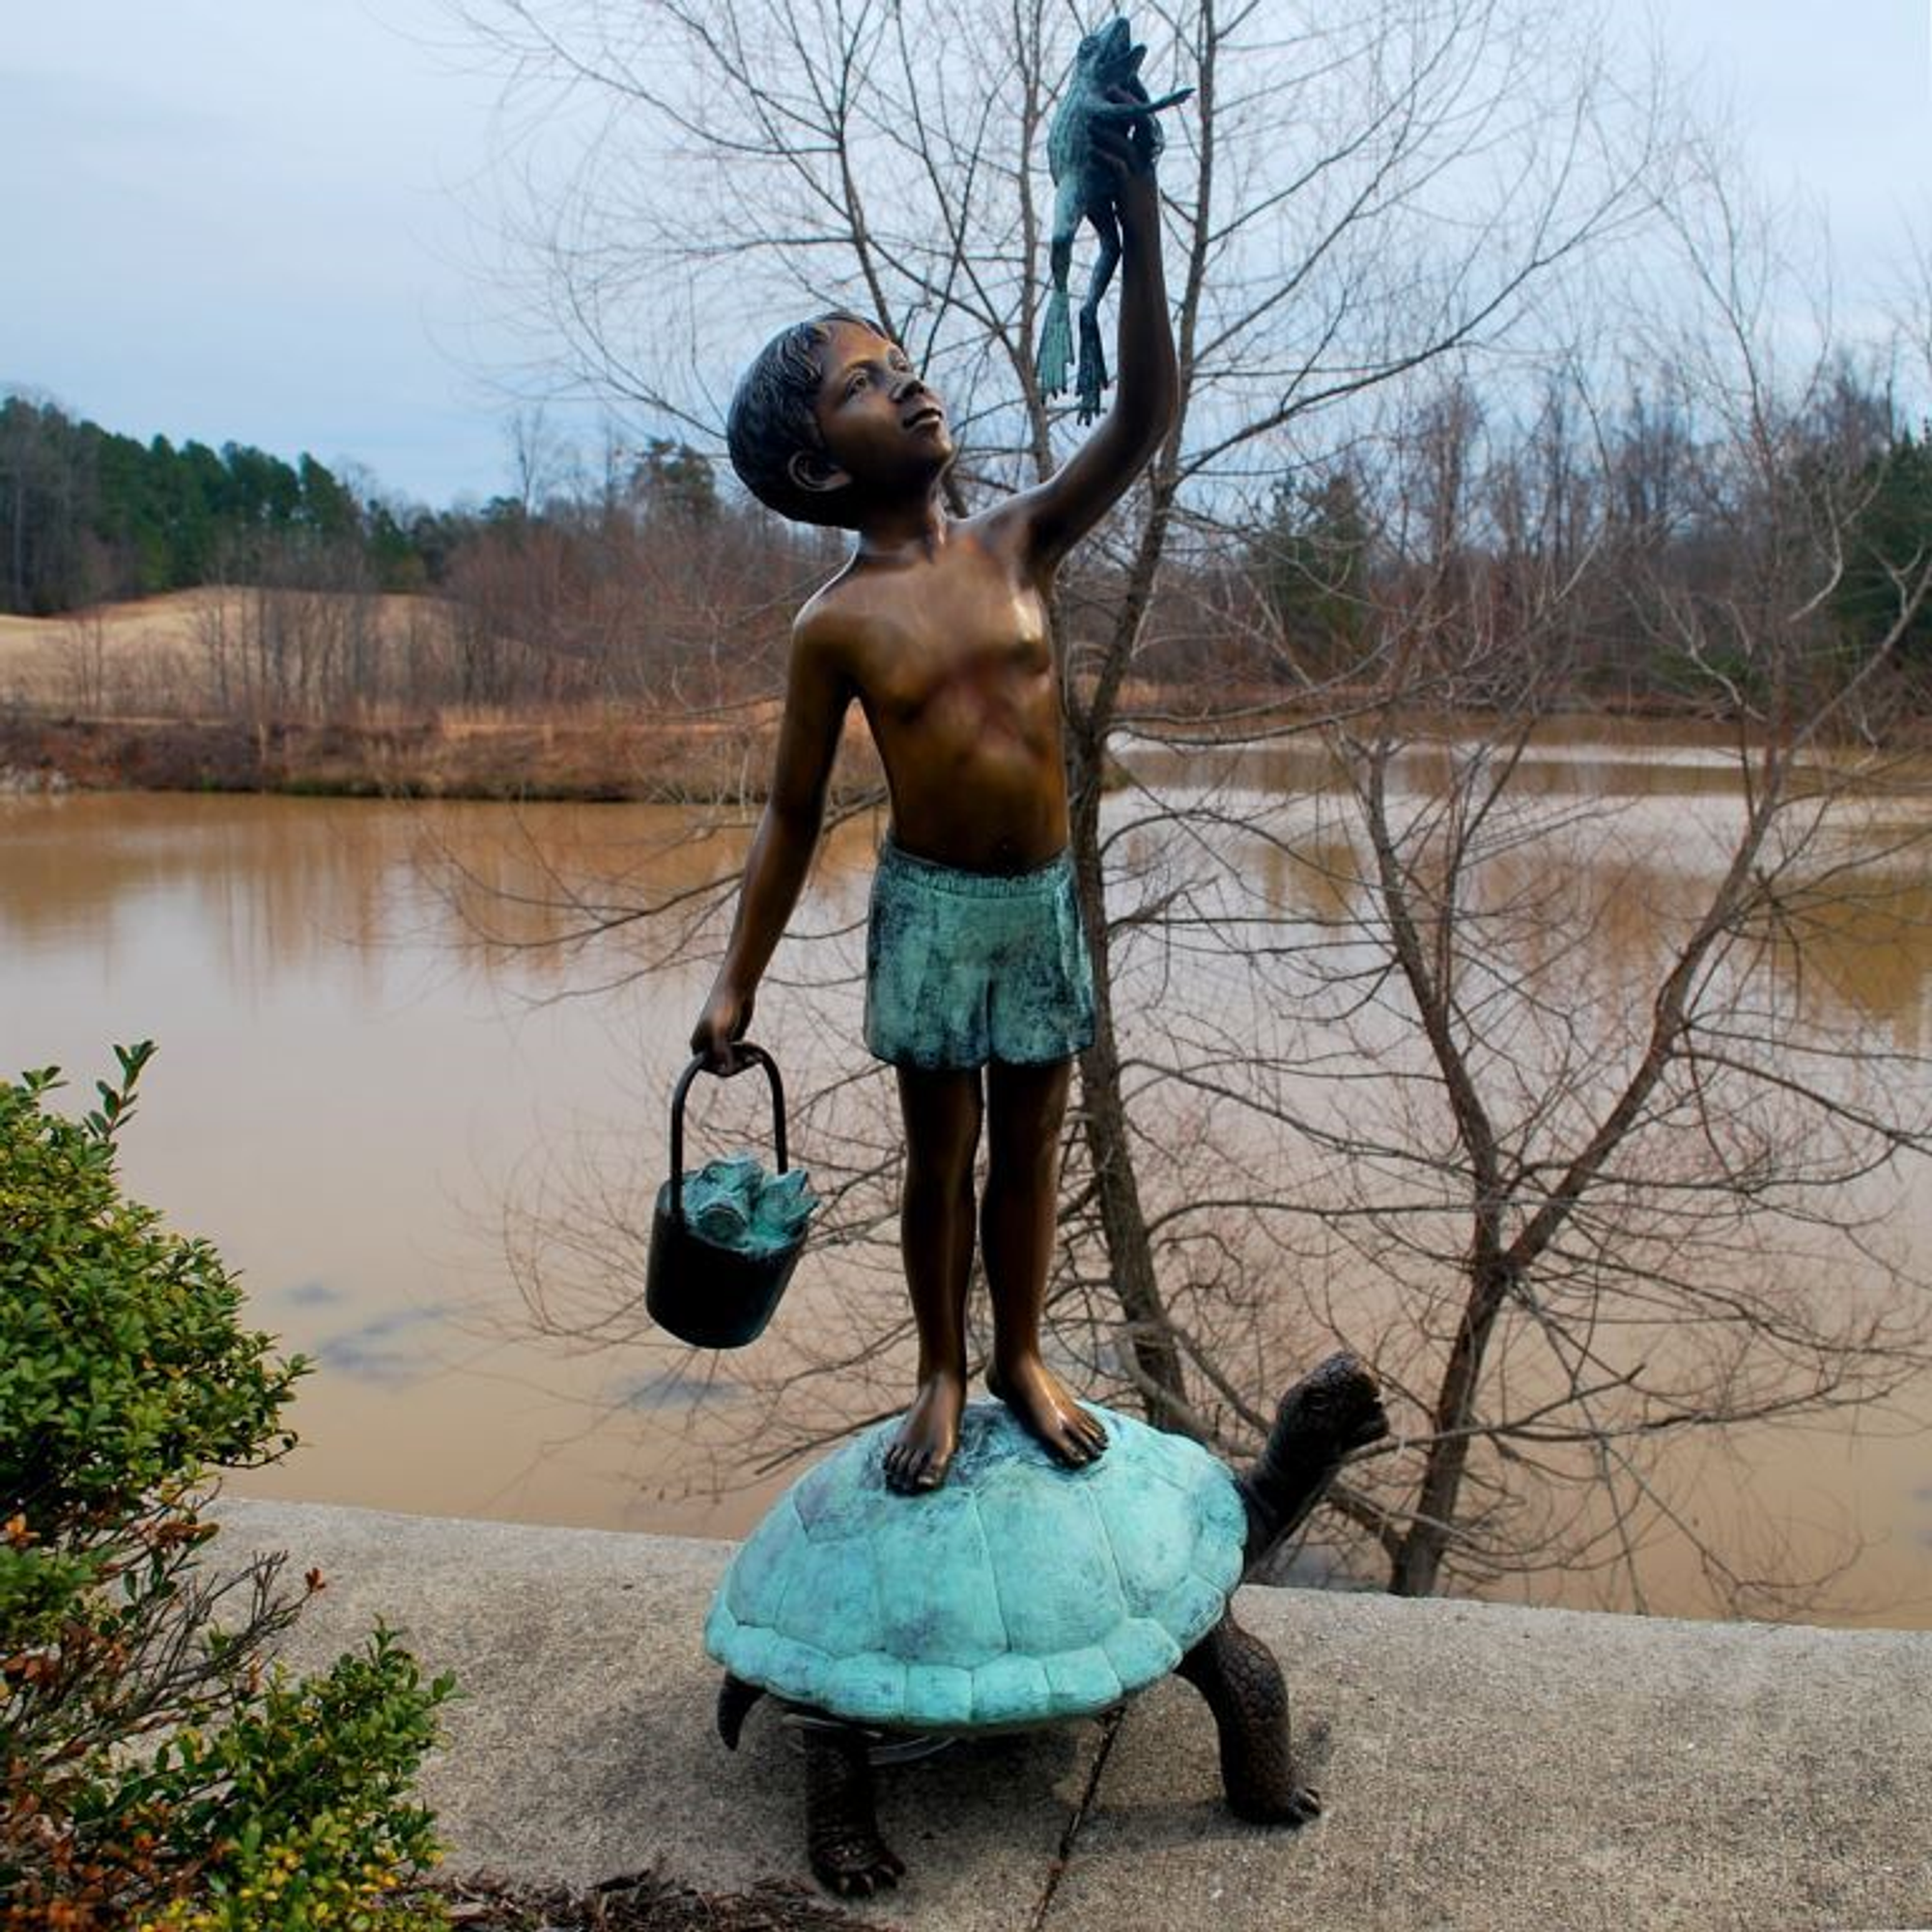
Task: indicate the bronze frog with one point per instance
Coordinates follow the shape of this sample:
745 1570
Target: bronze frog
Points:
1104 91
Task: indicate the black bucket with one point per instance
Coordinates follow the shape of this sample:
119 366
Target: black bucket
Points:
713 1296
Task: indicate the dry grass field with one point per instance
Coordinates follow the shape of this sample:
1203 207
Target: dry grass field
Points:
128 695
157 656
63 661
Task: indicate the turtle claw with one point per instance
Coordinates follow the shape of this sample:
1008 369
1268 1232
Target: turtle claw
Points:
1303 1805
841 1830
857 1868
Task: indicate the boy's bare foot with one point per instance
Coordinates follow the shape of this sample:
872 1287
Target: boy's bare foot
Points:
921 1452
1046 1404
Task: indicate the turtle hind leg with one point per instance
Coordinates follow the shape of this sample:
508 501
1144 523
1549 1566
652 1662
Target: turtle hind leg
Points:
842 1828
1238 1675
735 1698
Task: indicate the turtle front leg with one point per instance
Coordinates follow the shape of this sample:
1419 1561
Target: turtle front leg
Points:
1237 1674
842 1828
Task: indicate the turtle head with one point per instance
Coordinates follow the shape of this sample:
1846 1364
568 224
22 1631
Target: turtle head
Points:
1329 1412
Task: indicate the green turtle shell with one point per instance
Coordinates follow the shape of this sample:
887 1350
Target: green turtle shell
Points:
1019 1592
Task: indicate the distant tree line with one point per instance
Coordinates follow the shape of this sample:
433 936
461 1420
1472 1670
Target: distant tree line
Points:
638 576
1475 504
90 516
632 577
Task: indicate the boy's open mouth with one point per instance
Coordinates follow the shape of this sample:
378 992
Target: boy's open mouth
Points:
927 412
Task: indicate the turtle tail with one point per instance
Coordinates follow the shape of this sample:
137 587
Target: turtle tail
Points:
1055 346
735 1698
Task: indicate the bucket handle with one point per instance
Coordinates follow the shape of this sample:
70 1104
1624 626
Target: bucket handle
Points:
748 1055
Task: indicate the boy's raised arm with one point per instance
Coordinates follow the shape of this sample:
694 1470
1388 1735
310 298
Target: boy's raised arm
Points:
816 695
1147 379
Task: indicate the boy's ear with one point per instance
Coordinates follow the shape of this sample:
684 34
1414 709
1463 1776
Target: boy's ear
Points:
813 470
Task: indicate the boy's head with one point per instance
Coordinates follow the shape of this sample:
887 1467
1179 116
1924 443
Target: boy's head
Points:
786 413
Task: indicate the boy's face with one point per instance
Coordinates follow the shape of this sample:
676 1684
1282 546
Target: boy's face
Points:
885 431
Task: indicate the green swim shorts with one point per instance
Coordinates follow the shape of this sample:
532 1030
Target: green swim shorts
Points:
966 967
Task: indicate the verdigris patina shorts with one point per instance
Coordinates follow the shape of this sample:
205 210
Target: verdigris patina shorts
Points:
966 967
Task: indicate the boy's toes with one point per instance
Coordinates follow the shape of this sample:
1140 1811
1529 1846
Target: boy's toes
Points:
911 1469
1079 1436
1067 1440
1045 1407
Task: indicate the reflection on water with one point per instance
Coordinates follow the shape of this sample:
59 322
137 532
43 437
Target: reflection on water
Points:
347 1082
388 1348
675 1389
1636 856
364 1054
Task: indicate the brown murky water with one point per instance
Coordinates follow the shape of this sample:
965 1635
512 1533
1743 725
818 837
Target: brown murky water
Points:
355 1094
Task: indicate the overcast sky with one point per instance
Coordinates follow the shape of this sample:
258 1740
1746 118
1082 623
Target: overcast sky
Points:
252 220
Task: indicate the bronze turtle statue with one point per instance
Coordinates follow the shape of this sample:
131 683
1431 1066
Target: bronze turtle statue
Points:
1021 1593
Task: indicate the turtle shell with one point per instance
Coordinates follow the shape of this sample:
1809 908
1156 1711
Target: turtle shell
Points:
1019 1592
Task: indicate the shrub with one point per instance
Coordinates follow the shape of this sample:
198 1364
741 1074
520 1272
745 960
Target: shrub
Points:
155 1770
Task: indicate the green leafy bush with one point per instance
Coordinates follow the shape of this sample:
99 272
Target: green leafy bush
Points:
155 1769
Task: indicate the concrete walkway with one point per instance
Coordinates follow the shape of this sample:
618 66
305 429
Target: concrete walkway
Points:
1485 1768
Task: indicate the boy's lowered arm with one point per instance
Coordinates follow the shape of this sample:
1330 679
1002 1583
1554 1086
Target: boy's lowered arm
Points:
1146 388
816 695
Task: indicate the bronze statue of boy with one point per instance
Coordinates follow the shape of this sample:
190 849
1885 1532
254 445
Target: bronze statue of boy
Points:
977 965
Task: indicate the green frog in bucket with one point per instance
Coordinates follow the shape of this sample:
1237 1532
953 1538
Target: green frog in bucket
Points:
725 1238
979 991
734 1203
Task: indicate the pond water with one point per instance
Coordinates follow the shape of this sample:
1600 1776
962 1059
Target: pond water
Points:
382 1053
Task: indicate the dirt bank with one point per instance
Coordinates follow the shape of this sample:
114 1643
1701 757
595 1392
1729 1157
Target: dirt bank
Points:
644 758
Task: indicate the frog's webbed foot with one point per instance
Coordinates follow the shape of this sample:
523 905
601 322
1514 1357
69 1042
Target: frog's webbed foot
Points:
1093 376
1055 346
1055 354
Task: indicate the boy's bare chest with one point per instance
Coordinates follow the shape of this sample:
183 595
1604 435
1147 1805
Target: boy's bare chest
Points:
962 624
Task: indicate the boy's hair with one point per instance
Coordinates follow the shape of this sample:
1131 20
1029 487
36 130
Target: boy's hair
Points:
771 418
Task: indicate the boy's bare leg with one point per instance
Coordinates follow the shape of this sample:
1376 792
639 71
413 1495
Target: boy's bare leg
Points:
941 1113
1017 1224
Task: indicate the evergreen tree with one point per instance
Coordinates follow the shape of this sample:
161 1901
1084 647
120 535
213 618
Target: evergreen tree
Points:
673 480
1890 541
1311 564
87 514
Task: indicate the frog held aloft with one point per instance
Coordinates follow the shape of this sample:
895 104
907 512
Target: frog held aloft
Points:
1105 104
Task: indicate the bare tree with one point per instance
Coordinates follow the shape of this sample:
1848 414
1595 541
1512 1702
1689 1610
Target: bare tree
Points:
1551 1045
1427 1099
85 660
